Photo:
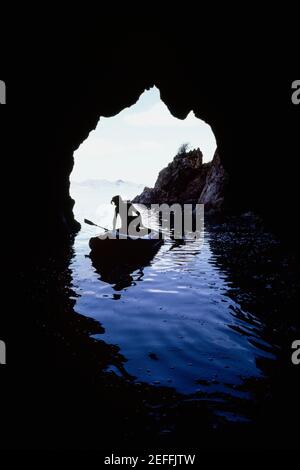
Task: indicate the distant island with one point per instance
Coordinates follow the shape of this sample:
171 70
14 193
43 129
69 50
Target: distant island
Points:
100 183
91 193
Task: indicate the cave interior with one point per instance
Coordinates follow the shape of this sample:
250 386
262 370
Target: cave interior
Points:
53 107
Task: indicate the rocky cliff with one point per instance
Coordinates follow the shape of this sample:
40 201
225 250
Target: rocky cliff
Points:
188 180
213 194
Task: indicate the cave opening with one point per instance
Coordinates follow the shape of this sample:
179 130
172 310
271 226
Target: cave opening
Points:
205 322
156 285
125 153
164 307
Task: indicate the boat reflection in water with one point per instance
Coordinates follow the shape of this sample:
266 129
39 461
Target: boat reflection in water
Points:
115 260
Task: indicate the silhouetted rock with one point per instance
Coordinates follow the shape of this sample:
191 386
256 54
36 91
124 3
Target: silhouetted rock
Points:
213 194
188 180
181 181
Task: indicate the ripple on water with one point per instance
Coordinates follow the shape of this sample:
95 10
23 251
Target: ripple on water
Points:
177 310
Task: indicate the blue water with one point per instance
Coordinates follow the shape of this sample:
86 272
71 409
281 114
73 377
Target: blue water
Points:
175 322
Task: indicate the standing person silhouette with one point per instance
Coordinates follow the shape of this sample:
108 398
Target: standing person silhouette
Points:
127 213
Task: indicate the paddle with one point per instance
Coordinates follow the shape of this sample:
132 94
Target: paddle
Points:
92 223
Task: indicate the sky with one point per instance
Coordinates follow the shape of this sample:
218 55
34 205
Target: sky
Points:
138 142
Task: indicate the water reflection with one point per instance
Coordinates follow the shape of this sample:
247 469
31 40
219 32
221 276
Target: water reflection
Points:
126 271
176 322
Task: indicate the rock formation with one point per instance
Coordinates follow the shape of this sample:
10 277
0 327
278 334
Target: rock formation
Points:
61 90
110 76
213 194
188 180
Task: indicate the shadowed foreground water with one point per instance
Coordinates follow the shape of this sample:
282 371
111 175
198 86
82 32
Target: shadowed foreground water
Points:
178 324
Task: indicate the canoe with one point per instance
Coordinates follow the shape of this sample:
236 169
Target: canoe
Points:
115 260
124 247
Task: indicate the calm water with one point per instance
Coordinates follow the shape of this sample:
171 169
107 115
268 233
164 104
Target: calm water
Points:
174 320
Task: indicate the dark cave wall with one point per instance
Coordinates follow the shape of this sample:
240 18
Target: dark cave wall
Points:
56 92
251 115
